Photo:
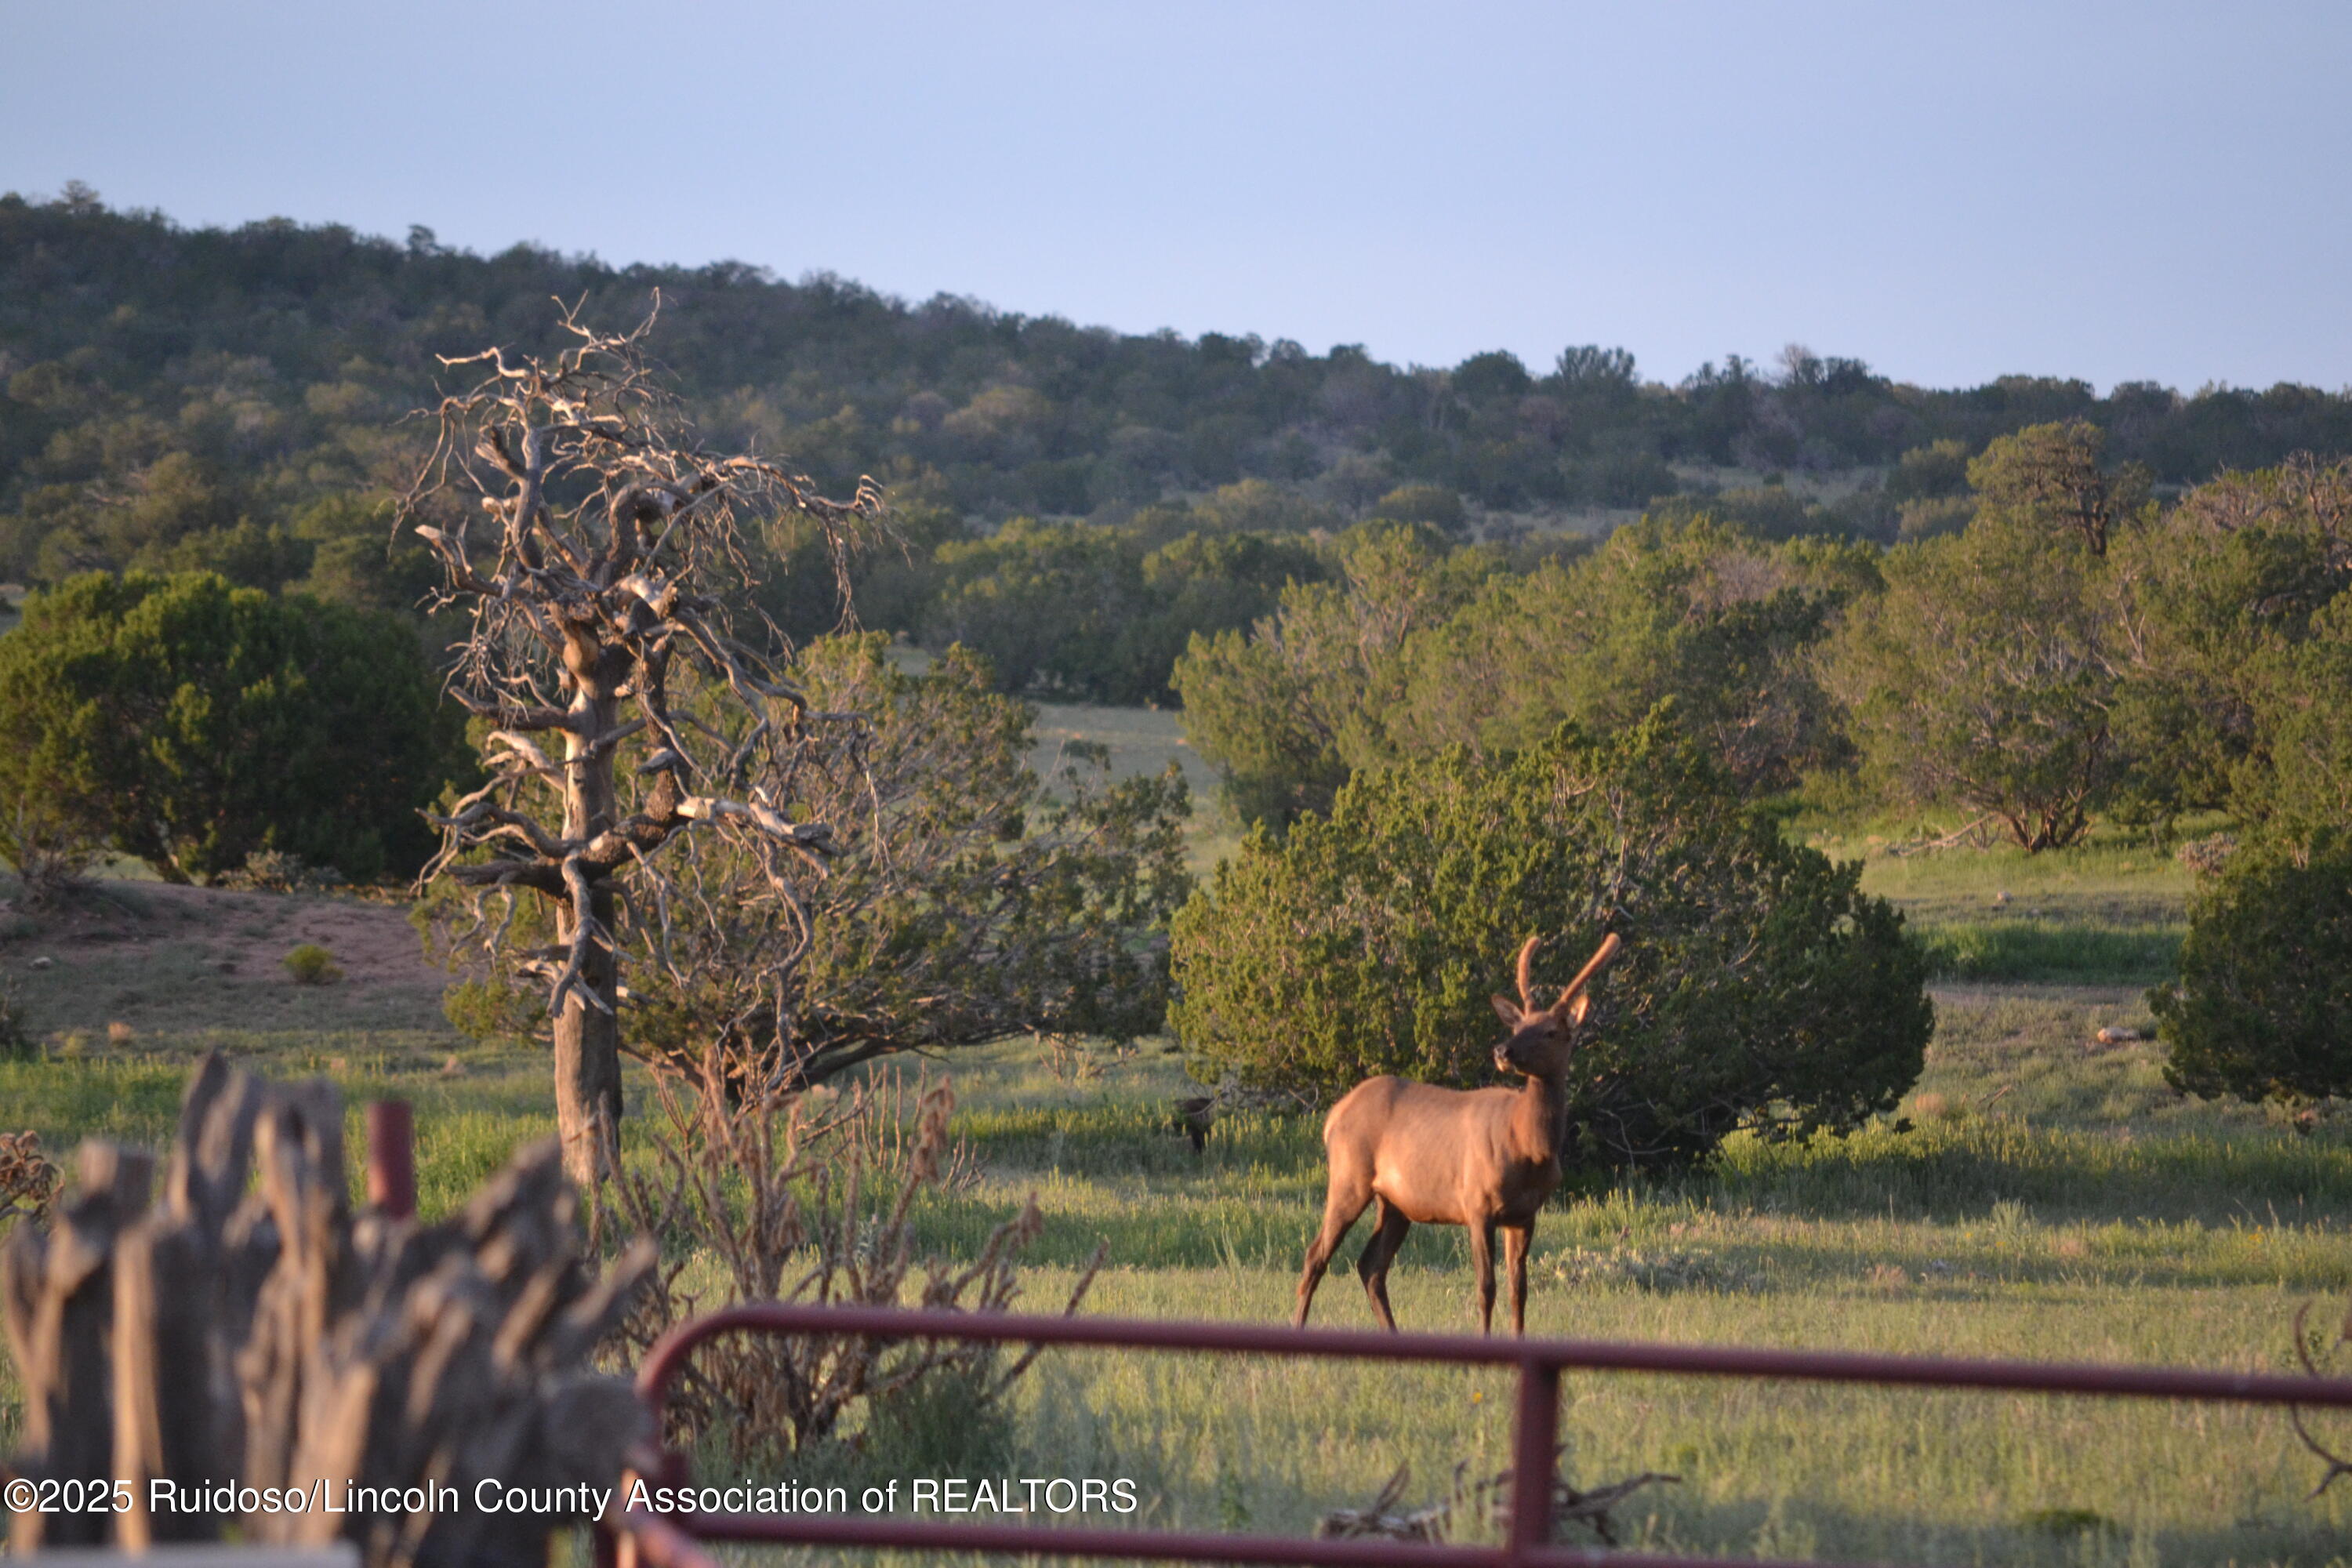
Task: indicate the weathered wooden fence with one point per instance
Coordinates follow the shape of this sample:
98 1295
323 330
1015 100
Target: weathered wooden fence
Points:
250 1328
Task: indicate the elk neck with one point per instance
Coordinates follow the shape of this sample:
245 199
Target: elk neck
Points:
1535 1116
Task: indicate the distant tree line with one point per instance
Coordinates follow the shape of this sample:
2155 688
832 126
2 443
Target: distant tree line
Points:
230 400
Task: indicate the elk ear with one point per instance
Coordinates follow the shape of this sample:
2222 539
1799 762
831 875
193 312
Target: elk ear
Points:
1508 1011
1570 1010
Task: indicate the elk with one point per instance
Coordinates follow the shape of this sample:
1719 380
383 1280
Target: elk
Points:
1485 1159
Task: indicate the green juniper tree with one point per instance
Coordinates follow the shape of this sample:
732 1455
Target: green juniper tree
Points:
191 723
1758 986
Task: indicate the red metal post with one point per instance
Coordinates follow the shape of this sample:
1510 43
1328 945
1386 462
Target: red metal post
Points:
657 1542
1535 1440
392 1159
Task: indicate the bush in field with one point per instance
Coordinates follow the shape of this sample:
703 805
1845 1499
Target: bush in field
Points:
484 1010
312 964
2238 626
192 723
2263 1009
1760 987
1708 615
1284 711
1984 677
963 902
49 842
964 899
2299 789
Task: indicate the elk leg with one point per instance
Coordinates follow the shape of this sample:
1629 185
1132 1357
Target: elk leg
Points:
1341 1206
1388 1234
1482 1263
1517 1242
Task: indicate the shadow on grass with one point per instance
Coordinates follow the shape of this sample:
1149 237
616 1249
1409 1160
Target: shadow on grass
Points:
1959 1168
2041 951
1105 1175
1129 1138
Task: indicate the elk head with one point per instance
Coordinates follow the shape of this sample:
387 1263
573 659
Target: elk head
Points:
1542 1039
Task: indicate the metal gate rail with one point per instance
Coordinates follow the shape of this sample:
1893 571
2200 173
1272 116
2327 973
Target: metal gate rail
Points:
668 1541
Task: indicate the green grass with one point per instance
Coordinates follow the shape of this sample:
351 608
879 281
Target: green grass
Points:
2060 1205
2038 1195
1796 1470
1143 741
2038 950
2110 911
2087 1215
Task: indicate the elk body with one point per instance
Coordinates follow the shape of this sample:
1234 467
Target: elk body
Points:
1485 1159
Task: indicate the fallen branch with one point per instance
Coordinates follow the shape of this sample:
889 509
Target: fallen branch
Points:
1973 835
1381 1519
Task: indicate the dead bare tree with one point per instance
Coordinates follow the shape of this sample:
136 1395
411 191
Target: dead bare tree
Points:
1485 1159
597 601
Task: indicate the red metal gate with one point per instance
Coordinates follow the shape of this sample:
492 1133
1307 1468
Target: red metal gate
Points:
669 1543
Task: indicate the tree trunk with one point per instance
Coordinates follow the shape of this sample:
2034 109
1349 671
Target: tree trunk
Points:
588 1032
588 1059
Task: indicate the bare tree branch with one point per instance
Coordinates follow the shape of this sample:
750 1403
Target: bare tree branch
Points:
620 544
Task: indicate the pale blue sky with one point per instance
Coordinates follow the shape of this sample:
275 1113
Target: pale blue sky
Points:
1950 192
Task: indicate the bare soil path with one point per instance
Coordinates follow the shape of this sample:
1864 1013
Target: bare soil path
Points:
165 961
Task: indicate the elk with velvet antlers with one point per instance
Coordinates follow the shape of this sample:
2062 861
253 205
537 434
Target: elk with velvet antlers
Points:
1485 1159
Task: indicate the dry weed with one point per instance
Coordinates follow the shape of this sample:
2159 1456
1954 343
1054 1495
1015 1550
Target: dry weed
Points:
883 1126
27 1180
1067 1058
791 1201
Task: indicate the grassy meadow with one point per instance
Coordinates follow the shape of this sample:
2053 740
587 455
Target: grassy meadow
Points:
2042 1197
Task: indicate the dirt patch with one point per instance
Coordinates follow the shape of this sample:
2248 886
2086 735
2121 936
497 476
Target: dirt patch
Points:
246 934
171 960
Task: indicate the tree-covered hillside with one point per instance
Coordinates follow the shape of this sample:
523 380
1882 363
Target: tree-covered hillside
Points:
181 397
